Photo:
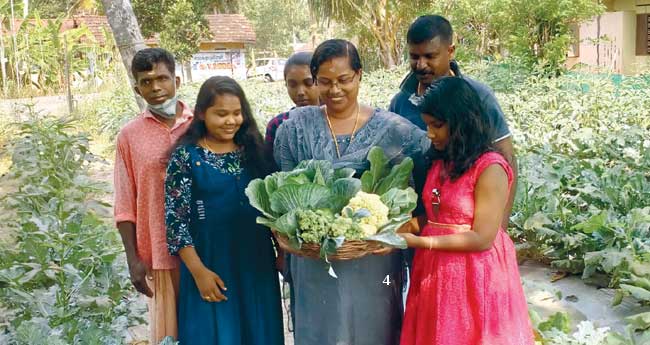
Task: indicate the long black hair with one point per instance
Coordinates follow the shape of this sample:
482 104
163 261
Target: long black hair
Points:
255 156
455 102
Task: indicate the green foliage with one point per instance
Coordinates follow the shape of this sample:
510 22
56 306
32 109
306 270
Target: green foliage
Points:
556 330
540 32
107 114
558 321
379 179
184 27
583 192
151 15
477 25
64 280
57 8
278 23
536 34
41 51
379 25
168 341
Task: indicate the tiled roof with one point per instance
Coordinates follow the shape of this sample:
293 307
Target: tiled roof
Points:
96 24
230 28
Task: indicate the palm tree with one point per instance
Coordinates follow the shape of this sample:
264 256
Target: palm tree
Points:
383 22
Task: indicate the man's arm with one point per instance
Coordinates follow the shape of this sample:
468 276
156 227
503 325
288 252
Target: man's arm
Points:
507 149
137 269
125 215
502 142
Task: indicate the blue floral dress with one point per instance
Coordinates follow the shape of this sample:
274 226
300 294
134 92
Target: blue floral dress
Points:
205 207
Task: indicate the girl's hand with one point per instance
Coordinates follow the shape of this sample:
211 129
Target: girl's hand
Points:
210 285
383 251
412 226
405 229
280 262
414 241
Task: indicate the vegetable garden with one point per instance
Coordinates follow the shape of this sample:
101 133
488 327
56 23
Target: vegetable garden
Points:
582 206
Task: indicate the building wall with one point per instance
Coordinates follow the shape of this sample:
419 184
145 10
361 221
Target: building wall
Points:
226 59
637 64
607 51
642 63
616 49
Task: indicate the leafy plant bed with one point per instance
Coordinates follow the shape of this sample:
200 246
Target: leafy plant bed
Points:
63 278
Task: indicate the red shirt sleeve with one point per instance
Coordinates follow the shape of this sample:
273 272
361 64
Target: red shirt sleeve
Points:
124 182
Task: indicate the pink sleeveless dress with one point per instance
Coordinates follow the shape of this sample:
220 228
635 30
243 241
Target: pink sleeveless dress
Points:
464 298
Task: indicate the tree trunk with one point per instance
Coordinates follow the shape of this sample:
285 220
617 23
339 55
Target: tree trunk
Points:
188 71
127 34
3 67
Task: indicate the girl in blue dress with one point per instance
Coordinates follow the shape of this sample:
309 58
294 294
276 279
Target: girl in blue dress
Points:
229 291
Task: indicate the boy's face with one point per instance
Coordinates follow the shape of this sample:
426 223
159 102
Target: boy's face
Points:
157 85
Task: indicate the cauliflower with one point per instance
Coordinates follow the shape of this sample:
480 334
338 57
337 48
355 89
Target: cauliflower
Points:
369 210
347 228
364 214
314 225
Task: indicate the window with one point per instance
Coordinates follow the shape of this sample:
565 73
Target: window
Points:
643 34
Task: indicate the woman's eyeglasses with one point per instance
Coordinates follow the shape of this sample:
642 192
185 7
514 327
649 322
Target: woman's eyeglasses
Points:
341 82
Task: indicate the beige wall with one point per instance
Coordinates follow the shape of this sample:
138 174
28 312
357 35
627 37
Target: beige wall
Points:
642 64
606 52
617 49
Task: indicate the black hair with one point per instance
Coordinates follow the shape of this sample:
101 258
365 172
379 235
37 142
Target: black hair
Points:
144 59
426 28
335 48
255 156
297 59
455 102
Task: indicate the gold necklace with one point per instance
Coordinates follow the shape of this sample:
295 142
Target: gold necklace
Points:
207 146
354 129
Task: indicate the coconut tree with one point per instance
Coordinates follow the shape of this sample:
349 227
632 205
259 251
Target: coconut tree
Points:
379 22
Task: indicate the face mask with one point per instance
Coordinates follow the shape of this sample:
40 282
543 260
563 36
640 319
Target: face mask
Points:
167 109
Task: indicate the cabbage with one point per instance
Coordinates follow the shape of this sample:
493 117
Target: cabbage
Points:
316 195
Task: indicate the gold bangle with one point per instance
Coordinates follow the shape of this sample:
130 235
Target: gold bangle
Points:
430 243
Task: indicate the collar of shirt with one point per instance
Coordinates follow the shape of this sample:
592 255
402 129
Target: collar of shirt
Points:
410 83
187 115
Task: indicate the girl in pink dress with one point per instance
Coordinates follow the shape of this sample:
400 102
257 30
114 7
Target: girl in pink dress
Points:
465 285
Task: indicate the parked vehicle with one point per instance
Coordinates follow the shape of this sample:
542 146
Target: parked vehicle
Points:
270 69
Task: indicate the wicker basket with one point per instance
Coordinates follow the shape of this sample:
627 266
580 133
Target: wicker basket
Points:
348 251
